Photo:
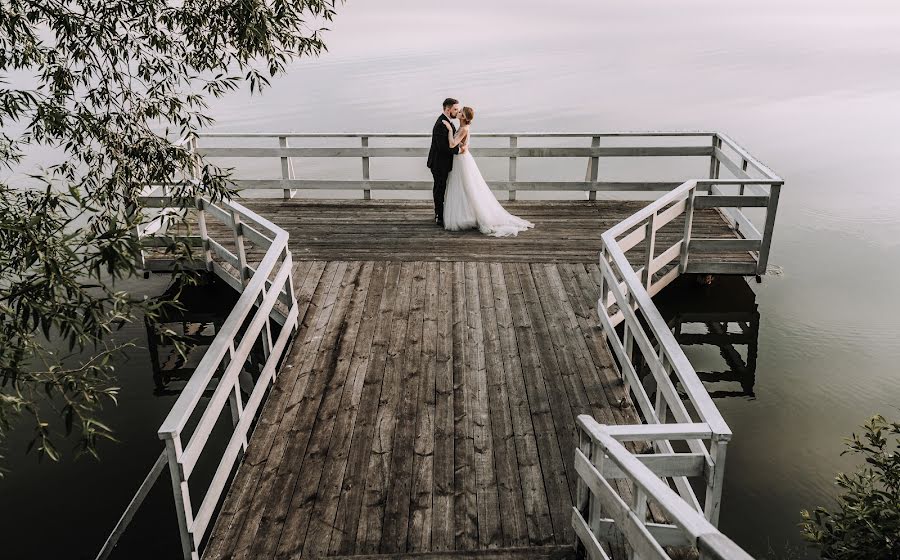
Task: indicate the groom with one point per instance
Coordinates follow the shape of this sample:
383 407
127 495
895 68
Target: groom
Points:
440 156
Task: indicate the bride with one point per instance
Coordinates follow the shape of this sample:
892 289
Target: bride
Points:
469 202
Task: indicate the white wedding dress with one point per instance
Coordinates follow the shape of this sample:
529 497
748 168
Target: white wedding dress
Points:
469 202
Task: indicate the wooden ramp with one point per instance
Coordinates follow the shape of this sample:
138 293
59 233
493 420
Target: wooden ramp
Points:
428 402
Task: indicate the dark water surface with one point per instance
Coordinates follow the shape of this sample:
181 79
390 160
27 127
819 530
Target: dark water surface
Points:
808 87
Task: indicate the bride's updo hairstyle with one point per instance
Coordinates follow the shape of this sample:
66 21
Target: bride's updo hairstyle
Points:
468 114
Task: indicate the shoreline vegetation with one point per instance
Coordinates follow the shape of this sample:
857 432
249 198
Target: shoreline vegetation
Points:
112 84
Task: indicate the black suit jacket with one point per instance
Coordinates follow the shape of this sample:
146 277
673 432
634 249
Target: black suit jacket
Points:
440 156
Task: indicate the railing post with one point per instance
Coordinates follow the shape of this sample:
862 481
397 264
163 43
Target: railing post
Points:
741 190
594 167
688 225
601 303
367 193
715 479
714 160
513 145
639 507
583 493
766 244
182 497
237 410
238 230
649 248
204 233
287 168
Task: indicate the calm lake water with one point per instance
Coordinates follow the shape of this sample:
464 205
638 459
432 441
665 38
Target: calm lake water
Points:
808 87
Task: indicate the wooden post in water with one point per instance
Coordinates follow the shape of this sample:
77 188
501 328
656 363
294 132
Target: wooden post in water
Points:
513 144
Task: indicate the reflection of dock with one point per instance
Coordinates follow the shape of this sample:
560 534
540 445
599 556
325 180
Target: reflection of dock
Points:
194 327
723 315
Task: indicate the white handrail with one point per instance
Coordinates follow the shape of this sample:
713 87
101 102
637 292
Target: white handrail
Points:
259 298
629 287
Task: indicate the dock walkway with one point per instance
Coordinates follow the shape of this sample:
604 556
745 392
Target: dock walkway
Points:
428 402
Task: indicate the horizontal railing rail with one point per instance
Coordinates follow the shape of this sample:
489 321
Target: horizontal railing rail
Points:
249 324
701 144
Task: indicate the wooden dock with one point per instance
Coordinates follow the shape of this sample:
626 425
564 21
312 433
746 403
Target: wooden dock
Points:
429 398
444 393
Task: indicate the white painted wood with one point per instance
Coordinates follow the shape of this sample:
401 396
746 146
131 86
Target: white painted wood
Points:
367 193
724 245
287 167
624 151
768 230
584 534
666 257
513 163
755 163
662 465
398 185
636 432
593 168
611 134
665 535
627 522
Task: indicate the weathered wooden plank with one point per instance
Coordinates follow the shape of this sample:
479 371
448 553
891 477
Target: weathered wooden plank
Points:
549 448
464 506
487 501
558 376
534 497
395 526
419 539
337 359
347 520
371 521
443 532
337 466
509 488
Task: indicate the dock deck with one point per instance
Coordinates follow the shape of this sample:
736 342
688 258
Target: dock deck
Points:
428 401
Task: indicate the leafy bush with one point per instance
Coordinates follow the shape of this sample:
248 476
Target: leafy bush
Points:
866 523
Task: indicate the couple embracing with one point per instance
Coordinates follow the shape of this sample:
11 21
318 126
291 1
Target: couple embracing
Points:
462 198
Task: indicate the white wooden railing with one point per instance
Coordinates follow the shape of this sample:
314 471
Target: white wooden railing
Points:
755 185
267 297
603 514
669 421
